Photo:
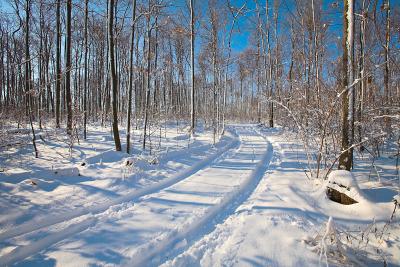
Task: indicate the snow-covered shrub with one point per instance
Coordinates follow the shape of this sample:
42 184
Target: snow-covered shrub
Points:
128 166
352 247
333 245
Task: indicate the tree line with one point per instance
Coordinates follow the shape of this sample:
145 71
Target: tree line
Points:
135 64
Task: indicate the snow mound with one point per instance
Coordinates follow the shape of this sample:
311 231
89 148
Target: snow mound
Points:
342 187
181 137
67 172
343 178
108 156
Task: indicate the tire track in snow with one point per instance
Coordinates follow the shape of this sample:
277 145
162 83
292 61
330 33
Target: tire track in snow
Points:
20 253
177 240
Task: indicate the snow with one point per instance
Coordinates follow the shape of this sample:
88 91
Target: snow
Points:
342 177
177 237
74 171
269 228
343 181
244 202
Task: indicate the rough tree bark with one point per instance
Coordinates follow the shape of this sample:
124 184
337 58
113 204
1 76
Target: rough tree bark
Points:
113 77
346 157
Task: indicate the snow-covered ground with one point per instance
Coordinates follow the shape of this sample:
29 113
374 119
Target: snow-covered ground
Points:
276 225
246 201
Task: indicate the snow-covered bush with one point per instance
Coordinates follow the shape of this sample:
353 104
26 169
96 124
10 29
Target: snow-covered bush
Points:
344 247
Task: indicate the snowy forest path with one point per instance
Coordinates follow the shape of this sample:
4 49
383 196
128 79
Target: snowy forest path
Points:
216 191
77 220
28 227
161 222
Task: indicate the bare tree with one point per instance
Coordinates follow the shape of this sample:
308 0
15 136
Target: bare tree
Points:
68 67
114 83
271 92
85 82
346 157
28 82
130 89
147 97
192 112
58 63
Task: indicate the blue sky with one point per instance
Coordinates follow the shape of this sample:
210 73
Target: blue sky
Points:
330 14
240 40
244 28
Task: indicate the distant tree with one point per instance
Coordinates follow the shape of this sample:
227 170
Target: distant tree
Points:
68 67
85 81
192 112
130 89
113 78
58 63
28 82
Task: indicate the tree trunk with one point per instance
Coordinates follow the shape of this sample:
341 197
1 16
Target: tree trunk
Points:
58 64
28 76
271 93
386 76
361 63
147 100
85 86
68 67
132 44
113 78
346 158
192 113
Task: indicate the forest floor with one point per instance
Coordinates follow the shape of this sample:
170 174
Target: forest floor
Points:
245 201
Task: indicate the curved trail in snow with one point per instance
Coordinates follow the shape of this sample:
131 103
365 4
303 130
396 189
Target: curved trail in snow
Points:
177 240
169 216
21 253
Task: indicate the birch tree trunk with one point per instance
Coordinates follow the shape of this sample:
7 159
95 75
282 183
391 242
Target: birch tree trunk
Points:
346 157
